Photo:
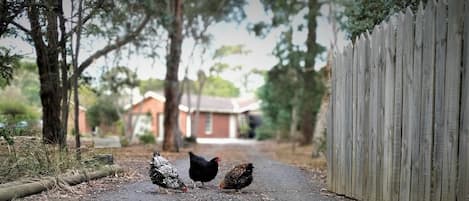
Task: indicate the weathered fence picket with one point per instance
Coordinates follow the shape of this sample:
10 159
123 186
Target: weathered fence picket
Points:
415 113
355 137
439 110
463 176
407 107
389 53
398 125
348 121
397 115
452 98
427 103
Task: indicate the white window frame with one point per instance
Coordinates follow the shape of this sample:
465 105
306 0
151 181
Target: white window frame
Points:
208 123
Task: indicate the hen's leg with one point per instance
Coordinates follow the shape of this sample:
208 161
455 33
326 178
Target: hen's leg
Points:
194 184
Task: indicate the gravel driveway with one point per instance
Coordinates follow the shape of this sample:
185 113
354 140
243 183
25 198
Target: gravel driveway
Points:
272 180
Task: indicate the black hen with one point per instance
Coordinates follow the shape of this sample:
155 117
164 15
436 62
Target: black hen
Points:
239 177
201 169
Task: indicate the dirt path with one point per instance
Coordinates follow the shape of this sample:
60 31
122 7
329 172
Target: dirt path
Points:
272 180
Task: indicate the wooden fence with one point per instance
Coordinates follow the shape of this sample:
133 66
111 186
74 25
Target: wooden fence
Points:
398 126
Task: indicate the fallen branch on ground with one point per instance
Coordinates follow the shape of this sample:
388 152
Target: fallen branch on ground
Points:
24 189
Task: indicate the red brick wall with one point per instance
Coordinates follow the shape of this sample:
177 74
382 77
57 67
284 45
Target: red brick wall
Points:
182 122
82 123
220 126
156 107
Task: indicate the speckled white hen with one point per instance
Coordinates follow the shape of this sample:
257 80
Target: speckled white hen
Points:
165 175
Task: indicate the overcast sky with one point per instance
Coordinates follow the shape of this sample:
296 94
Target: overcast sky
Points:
223 34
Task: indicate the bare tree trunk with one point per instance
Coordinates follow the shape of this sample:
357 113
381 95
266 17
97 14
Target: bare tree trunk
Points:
171 109
75 82
195 125
64 73
309 78
321 122
293 125
189 104
320 127
49 73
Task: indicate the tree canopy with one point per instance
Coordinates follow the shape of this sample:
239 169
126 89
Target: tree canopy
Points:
362 15
295 70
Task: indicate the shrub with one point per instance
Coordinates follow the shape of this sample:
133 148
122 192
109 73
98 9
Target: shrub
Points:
13 112
147 138
264 133
103 112
124 141
190 139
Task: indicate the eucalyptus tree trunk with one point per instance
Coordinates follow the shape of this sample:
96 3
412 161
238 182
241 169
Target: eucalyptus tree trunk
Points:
171 91
49 71
75 81
195 125
309 77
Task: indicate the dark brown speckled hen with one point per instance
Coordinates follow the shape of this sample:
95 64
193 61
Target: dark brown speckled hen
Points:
239 177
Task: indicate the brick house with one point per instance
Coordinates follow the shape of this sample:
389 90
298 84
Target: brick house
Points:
219 117
82 123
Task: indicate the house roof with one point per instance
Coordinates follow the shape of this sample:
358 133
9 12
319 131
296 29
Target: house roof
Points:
210 103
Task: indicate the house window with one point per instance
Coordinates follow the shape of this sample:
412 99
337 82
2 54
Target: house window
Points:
208 123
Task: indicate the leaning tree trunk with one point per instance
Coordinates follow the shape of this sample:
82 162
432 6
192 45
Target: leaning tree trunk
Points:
319 136
171 91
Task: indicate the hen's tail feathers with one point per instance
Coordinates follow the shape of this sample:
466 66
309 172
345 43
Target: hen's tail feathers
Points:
191 155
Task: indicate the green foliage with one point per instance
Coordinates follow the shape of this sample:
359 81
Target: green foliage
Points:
278 98
265 133
7 63
26 80
292 84
147 138
214 86
198 15
151 85
124 141
87 95
7 134
217 86
119 78
227 50
103 112
282 12
218 67
363 15
190 139
15 111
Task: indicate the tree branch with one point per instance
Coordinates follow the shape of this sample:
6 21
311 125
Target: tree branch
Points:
36 33
19 26
119 43
84 19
